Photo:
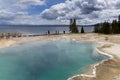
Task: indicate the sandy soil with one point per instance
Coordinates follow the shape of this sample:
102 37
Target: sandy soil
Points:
6 42
107 70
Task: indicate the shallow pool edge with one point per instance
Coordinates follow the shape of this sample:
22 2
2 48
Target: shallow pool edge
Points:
93 74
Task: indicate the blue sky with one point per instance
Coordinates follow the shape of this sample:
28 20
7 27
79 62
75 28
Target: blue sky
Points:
37 9
41 12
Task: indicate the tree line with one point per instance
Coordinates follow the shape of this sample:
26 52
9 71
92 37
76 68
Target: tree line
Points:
108 28
73 27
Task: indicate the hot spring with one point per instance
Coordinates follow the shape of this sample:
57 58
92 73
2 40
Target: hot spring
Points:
53 60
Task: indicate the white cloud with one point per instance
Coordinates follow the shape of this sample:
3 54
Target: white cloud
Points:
23 18
23 4
20 4
85 11
73 8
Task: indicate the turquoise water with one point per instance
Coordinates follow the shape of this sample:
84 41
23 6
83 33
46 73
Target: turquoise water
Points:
55 60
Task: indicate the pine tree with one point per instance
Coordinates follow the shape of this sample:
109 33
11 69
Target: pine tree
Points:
115 28
96 28
119 23
73 27
71 22
106 28
82 30
119 26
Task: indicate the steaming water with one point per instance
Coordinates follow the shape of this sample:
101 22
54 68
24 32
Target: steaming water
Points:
55 60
